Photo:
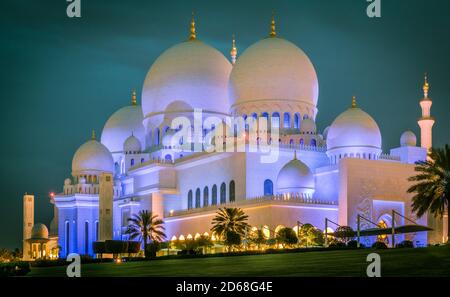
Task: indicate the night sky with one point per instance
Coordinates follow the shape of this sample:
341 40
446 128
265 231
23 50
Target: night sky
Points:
61 77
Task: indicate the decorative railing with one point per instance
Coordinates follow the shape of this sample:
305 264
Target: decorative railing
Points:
285 198
389 157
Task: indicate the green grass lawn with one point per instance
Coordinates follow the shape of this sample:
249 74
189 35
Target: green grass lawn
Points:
432 261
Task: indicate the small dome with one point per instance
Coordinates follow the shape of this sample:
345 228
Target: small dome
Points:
295 177
132 144
92 157
120 125
67 182
308 126
325 132
354 128
39 231
408 138
192 73
274 69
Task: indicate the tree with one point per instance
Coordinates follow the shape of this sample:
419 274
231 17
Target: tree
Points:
310 235
286 236
257 237
232 239
345 233
146 227
204 242
432 184
230 219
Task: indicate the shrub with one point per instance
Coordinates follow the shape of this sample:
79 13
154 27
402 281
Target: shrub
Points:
99 247
116 247
379 245
134 247
352 244
405 244
344 233
152 248
19 268
287 236
337 244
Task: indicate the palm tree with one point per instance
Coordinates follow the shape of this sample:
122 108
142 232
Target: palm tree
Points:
230 219
432 187
146 227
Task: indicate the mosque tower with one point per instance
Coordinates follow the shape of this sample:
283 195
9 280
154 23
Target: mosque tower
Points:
426 122
28 222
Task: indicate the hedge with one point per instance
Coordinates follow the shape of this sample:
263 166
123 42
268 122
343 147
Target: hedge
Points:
19 268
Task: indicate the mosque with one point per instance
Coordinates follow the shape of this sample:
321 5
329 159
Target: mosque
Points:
332 175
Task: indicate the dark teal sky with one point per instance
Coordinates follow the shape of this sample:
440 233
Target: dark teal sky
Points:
62 77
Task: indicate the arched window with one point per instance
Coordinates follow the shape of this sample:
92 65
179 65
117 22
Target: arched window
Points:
190 199
205 197
232 191
96 230
86 238
302 142
268 187
67 238
223 193
291 142
297 121
132 162
168 157
142 160
214 195
156 140
305 116
197 198
313 142
287 120
276 119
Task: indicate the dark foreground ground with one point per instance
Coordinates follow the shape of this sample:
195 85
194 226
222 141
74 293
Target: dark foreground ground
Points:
432 261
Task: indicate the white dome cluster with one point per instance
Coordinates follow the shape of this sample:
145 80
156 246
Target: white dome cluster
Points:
408 138
121 124
274 71
92 157
132 145
354 133
295 177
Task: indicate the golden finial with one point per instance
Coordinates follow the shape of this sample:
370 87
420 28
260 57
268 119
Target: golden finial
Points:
354 102
93 136
133 98
426 86
193 35
273 32
295 154
233 52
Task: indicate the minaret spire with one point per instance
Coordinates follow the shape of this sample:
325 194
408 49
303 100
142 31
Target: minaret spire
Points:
233 52
295 154
133 98
426 122
354 102
193 34
93 136
273 32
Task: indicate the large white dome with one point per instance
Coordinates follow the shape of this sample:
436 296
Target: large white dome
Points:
120 125
191 72
274 69
295 177
92 158
354 133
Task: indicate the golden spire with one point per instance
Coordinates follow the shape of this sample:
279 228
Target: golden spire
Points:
133 98
426 87
295 154
93 136
193 35
354 102
273 32
233 52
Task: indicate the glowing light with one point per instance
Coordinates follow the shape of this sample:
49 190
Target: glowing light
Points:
189 236
206 234
174 238
171 212
181 238
197 235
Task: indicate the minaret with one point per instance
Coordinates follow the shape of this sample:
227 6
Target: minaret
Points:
233 52
28 222
133 98
426 122
93 135
193 34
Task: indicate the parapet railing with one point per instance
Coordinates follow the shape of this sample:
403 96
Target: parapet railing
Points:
389 157
259 200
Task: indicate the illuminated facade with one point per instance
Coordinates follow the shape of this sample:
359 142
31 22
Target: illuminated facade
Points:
335 174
